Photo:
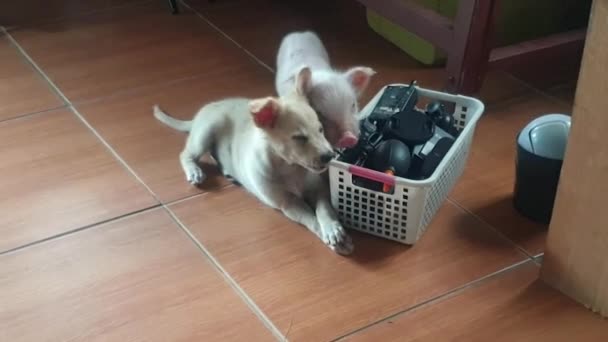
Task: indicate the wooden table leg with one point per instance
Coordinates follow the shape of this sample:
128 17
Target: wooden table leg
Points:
468 58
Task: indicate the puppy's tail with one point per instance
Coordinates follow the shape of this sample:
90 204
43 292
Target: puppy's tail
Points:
180 125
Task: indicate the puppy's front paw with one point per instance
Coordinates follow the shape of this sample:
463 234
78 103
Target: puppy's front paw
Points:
195 175
334 236
344 247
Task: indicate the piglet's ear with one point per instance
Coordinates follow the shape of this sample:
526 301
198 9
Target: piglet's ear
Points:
303 81
264 112
359 78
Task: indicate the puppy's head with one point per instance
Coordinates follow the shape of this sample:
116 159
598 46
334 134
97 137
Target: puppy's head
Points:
293 128
334 96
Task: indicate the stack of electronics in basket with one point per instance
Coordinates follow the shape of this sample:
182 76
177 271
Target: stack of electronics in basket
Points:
400 139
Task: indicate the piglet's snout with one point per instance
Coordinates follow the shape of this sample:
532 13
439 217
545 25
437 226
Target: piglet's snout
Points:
347 140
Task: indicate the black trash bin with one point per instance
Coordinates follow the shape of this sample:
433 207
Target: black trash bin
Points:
540 152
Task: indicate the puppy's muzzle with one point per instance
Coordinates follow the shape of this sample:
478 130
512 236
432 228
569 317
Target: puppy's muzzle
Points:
325 158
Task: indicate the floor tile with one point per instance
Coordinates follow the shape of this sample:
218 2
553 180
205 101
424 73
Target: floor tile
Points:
543 76
137 279
514 306
151 148
312 294
22 90
142 44
486 187
236 18
564 92
28 12
356 45
56 176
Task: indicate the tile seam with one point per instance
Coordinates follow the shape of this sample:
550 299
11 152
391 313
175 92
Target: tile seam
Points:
446 295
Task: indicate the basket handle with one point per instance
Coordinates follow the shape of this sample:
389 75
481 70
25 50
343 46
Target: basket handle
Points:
372 174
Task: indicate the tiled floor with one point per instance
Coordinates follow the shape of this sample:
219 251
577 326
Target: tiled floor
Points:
103 240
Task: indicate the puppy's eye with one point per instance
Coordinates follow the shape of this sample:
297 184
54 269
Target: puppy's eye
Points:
320 129
300 138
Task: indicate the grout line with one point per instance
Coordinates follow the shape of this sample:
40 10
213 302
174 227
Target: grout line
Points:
537 257
69 104
79 229
539 91
37 68
137 90
233 283
225 35
449 294
197 195
501 104
494 229
183 199
27 115
106 221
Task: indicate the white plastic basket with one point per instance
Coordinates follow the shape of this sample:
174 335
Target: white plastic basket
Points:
404 214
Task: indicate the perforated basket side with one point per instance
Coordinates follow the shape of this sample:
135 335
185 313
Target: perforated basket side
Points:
391 216
453 169
445 182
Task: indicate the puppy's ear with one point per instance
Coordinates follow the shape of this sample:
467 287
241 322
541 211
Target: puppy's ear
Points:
264 111
359 78
303 79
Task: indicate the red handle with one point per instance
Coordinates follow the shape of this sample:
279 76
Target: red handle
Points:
372 174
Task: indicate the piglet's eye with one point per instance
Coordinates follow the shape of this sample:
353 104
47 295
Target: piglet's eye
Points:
320 129
354 106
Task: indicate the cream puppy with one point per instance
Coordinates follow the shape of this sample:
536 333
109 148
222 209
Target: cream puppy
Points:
275 148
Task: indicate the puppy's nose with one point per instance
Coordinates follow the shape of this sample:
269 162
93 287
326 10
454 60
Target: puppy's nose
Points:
327 157
347 140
